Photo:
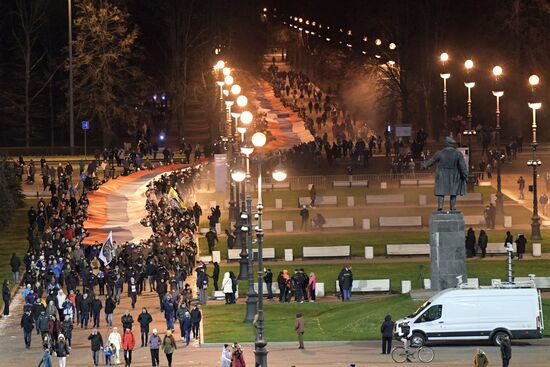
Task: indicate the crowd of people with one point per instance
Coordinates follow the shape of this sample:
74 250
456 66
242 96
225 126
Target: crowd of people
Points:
478 247
69 283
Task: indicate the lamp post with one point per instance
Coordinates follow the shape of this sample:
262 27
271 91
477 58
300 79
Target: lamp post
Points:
445 75
258 140
246 118
71 94
534 105
469 84
498 93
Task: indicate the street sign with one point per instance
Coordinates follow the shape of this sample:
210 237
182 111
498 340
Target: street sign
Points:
85 125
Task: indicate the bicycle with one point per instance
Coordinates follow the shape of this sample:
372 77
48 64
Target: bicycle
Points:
423 354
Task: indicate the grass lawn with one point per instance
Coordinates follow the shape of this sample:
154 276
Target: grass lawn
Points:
357 240
12 239
485 270
357 320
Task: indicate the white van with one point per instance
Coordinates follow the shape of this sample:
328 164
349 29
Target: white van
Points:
478 314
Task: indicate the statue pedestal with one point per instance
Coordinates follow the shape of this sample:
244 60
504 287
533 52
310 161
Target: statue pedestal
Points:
448 254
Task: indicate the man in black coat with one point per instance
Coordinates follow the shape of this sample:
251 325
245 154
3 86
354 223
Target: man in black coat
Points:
268 279
196 317
95 307
96 344
505 350
127 320
386 329
345 281
216 275
15 264
144 320
27 324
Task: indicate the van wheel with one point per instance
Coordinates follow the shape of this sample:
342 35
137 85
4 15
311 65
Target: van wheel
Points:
497 337
418 340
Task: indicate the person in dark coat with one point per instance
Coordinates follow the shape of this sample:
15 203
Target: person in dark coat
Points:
127 320
95 307
27 324
521 242
216 275
505 350
196 317
386 329
470 243
345 281
15 264
509 239
144 320
451 175
110 306
268 279
96 344
6 297
482 241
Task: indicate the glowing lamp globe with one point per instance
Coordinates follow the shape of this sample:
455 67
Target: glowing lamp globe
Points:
242 101
259 139
236 89
246 117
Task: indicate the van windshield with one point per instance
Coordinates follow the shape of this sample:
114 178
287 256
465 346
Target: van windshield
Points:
415 313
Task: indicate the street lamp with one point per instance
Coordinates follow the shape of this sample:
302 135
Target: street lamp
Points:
534 105
445 75
469 84
498 93
279 174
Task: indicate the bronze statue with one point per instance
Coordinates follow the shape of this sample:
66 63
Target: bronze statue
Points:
451 176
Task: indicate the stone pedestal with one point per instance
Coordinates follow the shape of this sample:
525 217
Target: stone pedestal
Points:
448 255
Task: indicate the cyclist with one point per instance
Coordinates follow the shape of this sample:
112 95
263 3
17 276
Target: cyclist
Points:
405 333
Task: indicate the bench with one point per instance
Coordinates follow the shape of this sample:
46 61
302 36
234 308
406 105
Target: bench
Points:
404 249
414 221
273 186
497 248
266 224
339 223
235 254
326 251
540 282
319 289
350 184
426 183
408 183
386 199
474 220
319 200
473 197
366 286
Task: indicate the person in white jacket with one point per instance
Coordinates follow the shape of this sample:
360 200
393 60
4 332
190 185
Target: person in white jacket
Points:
116 340
227 287
226 356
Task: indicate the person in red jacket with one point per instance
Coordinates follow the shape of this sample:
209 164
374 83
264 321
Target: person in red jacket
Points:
128 344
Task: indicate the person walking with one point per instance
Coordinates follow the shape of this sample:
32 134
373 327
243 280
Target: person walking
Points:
110 306
237 356
196 317
521 242
312 195
96 306
386 329
482 241
184 318
169 346
216 275
521 187
127 320
6 297
299 327
154 346
506 350
96 345
116 340
27 324
144 320
227 288
46 360
345 281
62 350
128 344
225 360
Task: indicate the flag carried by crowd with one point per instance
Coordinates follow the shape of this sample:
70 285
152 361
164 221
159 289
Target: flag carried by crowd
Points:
108 250
175 198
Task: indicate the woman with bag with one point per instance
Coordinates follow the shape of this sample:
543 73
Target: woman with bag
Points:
169 346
